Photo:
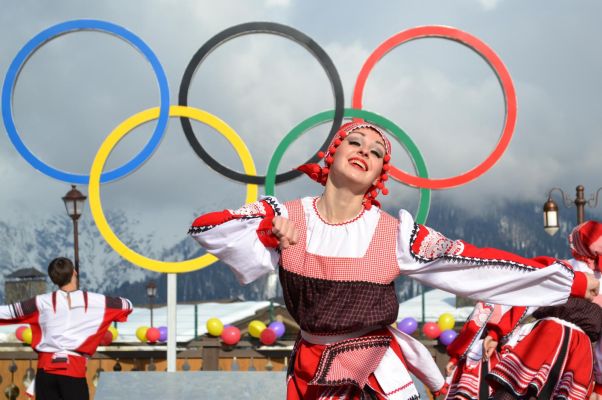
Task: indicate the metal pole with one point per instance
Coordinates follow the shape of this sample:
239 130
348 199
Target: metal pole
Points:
580 204
196 321
172 288
151 310
75 246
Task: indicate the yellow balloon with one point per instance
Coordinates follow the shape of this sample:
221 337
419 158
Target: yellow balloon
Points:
256 327
214 326
446 321
27 335
141 333
114 332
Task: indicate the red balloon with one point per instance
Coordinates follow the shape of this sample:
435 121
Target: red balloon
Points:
107 339
268 336
153 334
19 332
230 335
431 330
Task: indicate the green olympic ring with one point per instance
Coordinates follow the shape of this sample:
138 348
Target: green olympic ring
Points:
325 116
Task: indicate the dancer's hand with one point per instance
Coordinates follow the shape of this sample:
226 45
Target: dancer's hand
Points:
593 287
449 368
489 346
285 231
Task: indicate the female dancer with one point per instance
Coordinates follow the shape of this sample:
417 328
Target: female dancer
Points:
474 351
338 255
552 357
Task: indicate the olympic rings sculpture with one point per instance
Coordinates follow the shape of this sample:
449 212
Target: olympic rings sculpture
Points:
250 177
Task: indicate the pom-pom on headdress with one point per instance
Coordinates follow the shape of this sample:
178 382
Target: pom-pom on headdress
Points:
320 174
585 242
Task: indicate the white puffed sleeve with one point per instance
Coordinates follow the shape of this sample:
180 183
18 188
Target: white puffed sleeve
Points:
242 238
484 274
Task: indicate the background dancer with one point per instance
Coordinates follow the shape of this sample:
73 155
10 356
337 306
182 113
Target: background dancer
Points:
474 351
552 357
67 326
338 255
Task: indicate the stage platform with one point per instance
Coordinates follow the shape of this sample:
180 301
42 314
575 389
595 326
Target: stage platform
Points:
195 385
191 385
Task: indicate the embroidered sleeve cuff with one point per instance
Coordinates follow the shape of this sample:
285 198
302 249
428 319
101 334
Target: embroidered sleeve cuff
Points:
579 285
265 235
443 391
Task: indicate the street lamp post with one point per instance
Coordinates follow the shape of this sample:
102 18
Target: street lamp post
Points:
550 209
74 203
151 292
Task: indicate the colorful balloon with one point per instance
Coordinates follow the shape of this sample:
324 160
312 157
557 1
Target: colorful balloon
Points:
19 332
408 325
230 335
141 333
114 333
431 330
447 337
268 336
278 327
162 333
152 335
214 326
27 335
446 321
255 328
107 338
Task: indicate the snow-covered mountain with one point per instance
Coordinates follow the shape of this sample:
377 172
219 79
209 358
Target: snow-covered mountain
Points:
515 227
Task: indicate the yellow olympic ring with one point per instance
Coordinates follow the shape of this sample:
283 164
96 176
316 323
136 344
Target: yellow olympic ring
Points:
103 153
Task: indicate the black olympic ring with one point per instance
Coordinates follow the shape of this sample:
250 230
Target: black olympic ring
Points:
260 27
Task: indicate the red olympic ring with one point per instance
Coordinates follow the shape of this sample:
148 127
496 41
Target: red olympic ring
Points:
494 62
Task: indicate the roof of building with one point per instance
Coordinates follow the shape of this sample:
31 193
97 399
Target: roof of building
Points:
26 273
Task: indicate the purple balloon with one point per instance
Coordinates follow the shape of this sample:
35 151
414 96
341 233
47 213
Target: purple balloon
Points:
447 337
277 327
408 325
162 333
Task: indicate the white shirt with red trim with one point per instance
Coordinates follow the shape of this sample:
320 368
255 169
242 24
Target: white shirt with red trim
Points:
241 239
66 326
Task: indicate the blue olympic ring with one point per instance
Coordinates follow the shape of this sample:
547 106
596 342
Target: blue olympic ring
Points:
51 33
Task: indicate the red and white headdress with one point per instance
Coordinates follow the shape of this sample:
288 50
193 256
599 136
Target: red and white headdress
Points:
586 243
320 174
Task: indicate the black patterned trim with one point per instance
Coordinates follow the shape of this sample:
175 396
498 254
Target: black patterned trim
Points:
353 283
532 388
491 262
274 204
200 229
332 351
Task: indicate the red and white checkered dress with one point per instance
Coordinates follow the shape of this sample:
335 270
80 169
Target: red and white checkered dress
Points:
338 279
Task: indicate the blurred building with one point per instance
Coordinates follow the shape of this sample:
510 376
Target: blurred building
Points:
23 284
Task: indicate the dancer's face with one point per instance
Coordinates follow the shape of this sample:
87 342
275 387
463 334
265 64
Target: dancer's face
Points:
359 158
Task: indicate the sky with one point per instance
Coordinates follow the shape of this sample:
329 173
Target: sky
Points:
74 90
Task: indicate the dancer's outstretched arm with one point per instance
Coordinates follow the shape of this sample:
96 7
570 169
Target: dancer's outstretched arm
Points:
486 274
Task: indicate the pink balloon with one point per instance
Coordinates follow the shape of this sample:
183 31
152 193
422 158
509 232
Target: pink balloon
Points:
230 335
431 330
107 339
152 335
19 332
268 336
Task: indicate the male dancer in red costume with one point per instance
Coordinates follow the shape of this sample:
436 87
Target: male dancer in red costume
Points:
67 326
